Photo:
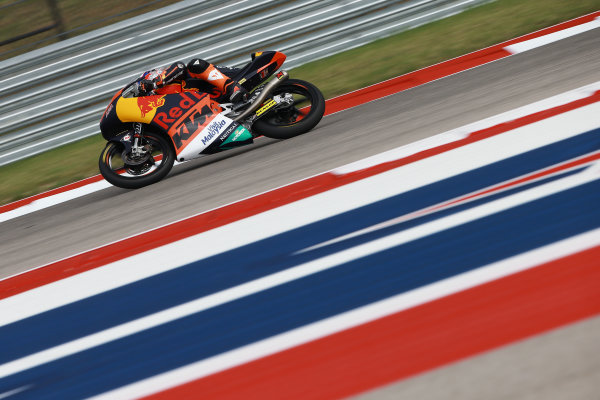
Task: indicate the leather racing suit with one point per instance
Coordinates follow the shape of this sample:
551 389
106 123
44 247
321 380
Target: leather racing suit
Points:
197 75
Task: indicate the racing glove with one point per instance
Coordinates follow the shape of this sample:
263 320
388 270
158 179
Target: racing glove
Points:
146 86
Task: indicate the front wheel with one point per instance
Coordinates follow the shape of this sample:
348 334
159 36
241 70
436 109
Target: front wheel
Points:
301 107
129 171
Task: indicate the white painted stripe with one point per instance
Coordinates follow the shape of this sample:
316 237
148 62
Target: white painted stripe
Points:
50 201
466 130
58 198
355 317
552 37
297 214
14 391
297 272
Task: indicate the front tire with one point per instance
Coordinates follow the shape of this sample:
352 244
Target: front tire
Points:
284 122
122 170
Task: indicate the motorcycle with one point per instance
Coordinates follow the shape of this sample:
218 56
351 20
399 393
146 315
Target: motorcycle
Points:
147 133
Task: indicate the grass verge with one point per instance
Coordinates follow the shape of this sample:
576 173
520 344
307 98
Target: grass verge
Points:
471 30
18 17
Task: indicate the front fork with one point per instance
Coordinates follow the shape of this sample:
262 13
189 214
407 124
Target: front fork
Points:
136 149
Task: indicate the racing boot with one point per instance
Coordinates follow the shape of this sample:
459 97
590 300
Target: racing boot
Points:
235 92
228 89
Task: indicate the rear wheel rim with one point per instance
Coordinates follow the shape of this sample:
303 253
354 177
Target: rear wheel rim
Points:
289 115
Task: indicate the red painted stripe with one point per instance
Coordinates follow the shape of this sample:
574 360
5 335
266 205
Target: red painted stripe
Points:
527 178
71 186
442 70
62 189
416 340
245 208
513 183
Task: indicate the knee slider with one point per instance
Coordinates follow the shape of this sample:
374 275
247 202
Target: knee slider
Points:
197 66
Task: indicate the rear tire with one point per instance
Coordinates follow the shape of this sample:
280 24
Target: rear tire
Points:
299 118
140 173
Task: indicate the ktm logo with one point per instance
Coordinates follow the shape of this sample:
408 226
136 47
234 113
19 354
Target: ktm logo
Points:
149 103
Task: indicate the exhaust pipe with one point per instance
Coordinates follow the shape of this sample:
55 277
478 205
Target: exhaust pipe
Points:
268 89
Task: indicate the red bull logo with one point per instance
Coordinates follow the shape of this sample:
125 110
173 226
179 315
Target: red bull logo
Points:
147 104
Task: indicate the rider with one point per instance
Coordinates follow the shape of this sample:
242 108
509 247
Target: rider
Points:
165 80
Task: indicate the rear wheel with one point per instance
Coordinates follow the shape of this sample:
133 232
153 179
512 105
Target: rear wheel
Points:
123 169
301 108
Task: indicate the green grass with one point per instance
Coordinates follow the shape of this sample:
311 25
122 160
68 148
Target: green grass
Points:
21 17
51 169
469 31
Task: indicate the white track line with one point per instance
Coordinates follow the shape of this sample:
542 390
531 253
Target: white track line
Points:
552 37
58 198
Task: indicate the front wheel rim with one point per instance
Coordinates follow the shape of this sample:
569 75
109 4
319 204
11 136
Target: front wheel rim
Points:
116 159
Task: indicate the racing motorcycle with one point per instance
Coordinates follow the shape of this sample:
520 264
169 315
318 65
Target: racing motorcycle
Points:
146 133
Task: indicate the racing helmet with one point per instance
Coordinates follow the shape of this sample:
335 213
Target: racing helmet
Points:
156 74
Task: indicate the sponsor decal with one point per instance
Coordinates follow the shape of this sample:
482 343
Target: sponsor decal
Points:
189 126
241 134
266 107
126 137
215 75
238 133
212 130
147 104
176 75
108 109
188 99
228 131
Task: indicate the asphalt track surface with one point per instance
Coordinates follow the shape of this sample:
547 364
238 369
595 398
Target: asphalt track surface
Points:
108 215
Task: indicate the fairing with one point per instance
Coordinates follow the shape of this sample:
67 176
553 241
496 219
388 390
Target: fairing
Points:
195 123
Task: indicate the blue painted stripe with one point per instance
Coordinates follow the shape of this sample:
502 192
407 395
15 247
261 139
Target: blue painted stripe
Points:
397 227
267 256
315 297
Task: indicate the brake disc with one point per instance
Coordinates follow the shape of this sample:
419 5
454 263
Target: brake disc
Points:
129 159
